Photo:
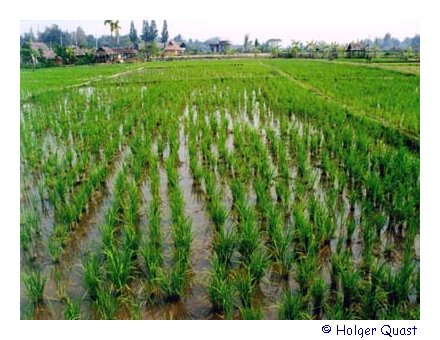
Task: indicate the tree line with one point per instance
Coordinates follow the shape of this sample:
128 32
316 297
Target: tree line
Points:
63 42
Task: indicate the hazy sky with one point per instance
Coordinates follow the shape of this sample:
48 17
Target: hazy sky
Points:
340 28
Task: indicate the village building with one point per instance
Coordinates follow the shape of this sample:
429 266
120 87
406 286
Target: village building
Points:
125 53
172 49
105 55
356 50
47 53
219 46
79 52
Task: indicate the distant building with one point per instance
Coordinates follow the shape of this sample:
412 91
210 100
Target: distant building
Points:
118 54
173 48
79 52
219 46
47 53
356 50
105 54
125 53
183 46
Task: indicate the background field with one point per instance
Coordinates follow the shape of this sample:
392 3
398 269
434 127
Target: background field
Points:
220 189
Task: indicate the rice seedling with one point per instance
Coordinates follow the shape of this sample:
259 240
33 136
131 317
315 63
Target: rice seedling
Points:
245 287
350 283
153 260
131 240
253 313
218 212
369 239
25 237
173 284
108 235
72 311
335 310
106 304
55 249
280 245
183 236
318 293
34 283
351 227
305 271
119 267
249 239
224 243
258 264
220 289
291 307
92 274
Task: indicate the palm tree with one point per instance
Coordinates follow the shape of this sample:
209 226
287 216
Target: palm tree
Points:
114 27
311 47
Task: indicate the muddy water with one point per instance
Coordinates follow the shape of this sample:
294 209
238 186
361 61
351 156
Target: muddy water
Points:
65 279
196 302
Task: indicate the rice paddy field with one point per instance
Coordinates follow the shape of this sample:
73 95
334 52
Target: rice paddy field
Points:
237 189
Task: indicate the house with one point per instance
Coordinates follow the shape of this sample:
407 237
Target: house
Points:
46 52
356 50
105 54
125 52
79 52
172 48
183 46
219 46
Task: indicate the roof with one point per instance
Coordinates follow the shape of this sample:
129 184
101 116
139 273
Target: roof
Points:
356 47
105 50
124 50
80 51
219 41
172 46
47 52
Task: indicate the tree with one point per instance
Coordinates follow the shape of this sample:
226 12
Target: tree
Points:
28 37
91 41
246 42
133 35
153 31
53 35
311 47
334 51
150 50
80 37
117 28
295 48
27 54
145 31
387 43
415 43
374 50
164 35
114 28
178 38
